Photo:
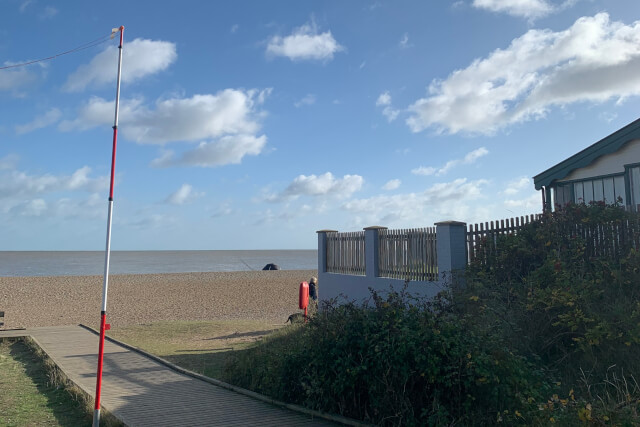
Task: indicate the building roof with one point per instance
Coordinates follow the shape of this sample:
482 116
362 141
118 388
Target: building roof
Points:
607 145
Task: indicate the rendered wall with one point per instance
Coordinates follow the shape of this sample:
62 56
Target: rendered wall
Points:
451 247
608 164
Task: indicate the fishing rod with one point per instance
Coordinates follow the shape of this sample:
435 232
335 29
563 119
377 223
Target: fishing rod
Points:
248 266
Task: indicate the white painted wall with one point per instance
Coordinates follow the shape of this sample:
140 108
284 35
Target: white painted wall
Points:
610 163
356 288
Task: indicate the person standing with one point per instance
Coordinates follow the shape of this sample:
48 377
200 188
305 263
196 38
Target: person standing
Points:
313 295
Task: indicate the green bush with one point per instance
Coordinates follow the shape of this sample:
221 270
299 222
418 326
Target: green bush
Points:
397 361
574 314
543 331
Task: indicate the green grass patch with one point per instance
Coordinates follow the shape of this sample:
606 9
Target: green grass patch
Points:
200 346
28 394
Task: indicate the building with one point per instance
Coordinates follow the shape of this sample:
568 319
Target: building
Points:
608 171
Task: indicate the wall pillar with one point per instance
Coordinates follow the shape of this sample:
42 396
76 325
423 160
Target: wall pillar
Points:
371 250
451 246
322 250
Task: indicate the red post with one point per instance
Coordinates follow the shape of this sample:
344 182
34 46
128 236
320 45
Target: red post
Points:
104 326
303 298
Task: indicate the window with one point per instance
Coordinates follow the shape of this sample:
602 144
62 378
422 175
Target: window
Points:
618 186
634 180
578 191
609 193
602 189
562 194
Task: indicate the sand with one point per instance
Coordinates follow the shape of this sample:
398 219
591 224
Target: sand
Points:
144 298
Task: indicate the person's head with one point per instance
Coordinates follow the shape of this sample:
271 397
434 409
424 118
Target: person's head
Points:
313 280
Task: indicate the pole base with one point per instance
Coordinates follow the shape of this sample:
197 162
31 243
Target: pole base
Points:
96 417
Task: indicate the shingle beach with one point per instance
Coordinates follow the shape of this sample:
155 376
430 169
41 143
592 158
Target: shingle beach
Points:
145 298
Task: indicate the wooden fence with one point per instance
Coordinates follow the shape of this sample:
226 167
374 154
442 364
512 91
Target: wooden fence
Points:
482 238
345 253
611 239
608 239
408 254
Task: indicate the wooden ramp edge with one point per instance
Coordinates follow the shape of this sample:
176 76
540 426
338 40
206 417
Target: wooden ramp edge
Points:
296 408
73 377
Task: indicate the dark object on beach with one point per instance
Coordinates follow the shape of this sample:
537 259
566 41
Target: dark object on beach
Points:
295 318
1 319
271 267
313 289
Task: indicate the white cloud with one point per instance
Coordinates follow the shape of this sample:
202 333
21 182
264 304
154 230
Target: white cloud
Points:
474 155
530 204
234 28
27 195
24 5
8 162
592 61
227 150
183 195
15 183
608 116
322 185
392 184
47 119
305 43
424 170
153 221
66 208
522 8
442 201
404 41
308 99
30 208
468 159
14 78
268 216
177 119
224 209
384 100
140 58
48 12
92 207
515 186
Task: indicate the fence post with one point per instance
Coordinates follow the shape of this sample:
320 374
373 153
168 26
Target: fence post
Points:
451 247
322 250
371 250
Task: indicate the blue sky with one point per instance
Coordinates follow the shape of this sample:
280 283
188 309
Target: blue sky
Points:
252 124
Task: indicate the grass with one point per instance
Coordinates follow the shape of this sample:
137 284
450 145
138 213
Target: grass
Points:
203 347
29 396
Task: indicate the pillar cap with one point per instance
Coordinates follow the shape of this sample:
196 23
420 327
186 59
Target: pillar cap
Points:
451 223
327 231
376 227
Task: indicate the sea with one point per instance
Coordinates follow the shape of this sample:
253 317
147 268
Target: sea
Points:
83 263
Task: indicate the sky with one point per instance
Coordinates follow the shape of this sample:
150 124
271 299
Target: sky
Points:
253 124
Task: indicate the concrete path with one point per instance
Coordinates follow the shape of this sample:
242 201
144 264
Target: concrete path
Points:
142 392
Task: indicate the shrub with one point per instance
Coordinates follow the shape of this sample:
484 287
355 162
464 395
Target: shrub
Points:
546 329
396 361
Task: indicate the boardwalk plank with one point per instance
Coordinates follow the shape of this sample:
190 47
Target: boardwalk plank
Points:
143 392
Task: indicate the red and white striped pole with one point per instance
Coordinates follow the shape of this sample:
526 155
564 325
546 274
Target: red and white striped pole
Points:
105 285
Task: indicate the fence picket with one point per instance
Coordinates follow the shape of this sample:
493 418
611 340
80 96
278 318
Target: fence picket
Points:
345 253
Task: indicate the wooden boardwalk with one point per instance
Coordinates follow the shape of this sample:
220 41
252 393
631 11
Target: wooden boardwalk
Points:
142 392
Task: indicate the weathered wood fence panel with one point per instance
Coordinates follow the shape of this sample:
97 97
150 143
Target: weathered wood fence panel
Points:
609 239
482 238
408 254
345 253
